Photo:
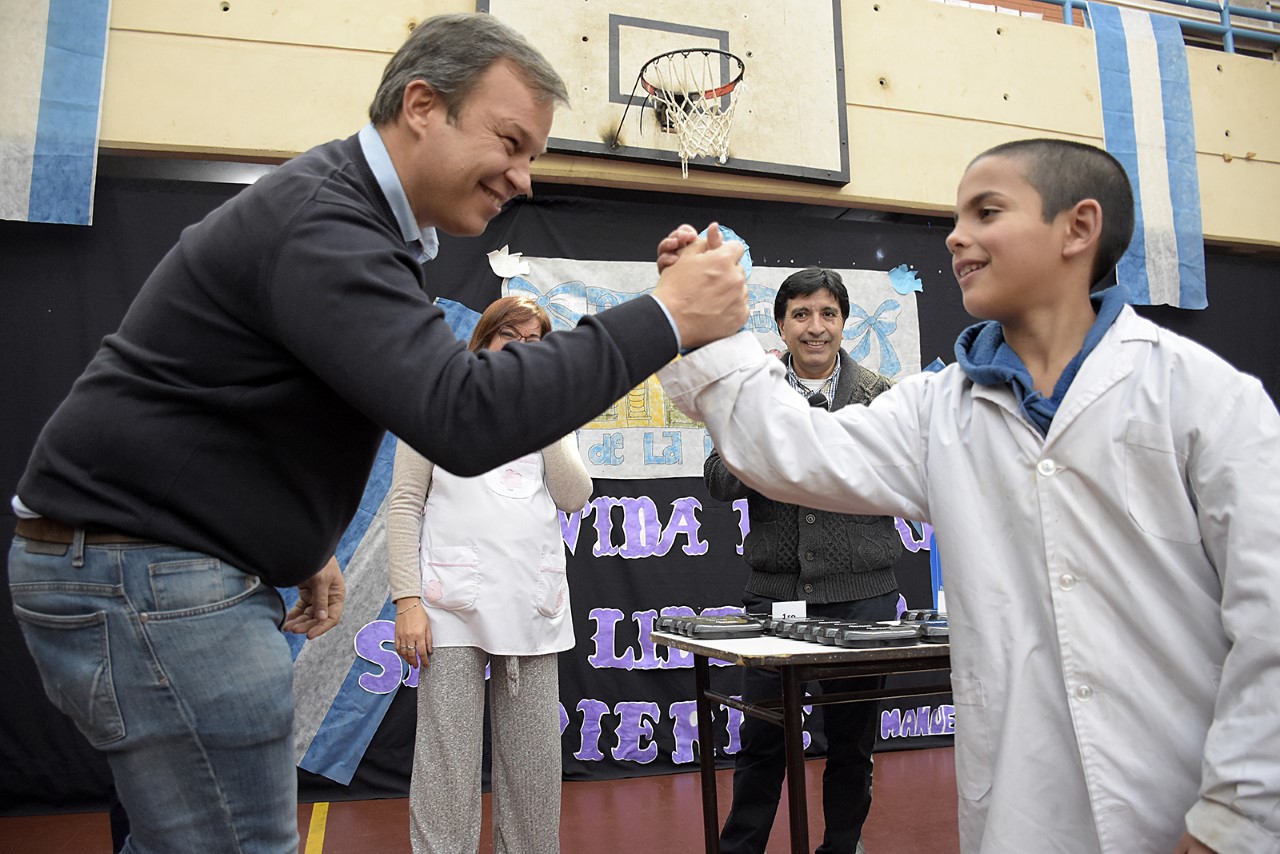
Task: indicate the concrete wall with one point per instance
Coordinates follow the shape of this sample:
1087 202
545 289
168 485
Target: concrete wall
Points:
928 86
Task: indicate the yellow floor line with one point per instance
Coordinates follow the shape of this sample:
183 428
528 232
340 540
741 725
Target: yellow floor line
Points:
315 833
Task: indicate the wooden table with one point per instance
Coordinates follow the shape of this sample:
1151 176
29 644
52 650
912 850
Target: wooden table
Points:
796 662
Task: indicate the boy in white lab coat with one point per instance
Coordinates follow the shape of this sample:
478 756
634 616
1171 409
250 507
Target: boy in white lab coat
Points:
1105 491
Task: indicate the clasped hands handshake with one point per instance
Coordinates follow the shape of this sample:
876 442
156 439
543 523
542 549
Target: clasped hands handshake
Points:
702 284
704 288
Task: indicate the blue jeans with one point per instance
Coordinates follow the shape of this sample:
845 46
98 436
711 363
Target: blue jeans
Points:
171 663
761 763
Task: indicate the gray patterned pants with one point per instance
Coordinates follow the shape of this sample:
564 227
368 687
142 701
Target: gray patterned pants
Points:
444 791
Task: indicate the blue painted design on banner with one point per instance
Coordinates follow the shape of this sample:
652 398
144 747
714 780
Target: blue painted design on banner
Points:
557 302
461 320
882 328
602 299
905 280
729 234
67 129
760 299
1184 175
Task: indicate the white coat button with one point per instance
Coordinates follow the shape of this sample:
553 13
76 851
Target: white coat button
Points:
1047 468
1084 692
1067 581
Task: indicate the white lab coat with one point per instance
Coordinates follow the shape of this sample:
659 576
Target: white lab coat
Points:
1113 587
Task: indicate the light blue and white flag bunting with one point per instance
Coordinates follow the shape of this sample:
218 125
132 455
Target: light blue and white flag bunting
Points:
1148 127
52 56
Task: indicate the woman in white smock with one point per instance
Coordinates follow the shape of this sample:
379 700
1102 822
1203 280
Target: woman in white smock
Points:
478 577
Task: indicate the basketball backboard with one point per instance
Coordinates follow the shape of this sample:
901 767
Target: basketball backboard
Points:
789 119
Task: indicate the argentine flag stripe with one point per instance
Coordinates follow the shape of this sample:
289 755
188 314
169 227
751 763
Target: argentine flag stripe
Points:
1148 126
22 36
1184 176
52 56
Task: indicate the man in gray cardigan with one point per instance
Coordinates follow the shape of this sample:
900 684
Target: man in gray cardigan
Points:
841 567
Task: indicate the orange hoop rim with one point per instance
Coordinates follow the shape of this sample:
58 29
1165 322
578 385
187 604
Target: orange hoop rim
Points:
709 94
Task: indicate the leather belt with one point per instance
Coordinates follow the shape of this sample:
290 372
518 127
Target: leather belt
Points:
45 530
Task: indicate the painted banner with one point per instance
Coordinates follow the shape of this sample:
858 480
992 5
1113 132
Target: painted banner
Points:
643 435
635 554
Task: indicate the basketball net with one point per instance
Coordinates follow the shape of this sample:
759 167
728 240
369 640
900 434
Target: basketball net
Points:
689 100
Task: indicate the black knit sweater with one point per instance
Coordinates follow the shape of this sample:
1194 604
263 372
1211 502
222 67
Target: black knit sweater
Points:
797 552
238 409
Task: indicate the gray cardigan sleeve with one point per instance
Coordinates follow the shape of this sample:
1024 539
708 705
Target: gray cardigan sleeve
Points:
567 479
410 480
722 483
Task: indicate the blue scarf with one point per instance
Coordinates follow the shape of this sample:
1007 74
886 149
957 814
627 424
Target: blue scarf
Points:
986 359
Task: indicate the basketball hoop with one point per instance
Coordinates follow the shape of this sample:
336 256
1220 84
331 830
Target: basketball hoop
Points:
692 98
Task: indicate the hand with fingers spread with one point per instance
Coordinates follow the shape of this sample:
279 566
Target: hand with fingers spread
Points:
413 631
704 287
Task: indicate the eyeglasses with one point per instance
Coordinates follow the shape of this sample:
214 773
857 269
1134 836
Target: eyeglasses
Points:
506 333
818 399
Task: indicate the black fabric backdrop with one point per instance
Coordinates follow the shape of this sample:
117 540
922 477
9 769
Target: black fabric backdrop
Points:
62 288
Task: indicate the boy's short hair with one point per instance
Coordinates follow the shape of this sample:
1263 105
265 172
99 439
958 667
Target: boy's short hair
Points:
810 281
1064 173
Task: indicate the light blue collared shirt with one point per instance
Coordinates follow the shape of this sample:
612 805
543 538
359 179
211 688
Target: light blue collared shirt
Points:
375 152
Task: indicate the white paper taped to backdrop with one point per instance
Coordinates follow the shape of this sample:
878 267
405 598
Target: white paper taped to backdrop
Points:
506 264
643 435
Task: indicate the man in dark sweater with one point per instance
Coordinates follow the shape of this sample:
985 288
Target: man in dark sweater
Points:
840 566
218 443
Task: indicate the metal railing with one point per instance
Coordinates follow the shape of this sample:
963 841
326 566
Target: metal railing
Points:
1226 29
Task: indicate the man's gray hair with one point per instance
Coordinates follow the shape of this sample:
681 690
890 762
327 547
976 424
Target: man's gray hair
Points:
450 52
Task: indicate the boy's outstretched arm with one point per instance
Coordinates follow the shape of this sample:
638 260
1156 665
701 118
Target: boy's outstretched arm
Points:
859 459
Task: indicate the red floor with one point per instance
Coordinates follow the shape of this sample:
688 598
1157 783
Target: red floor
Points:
914 811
